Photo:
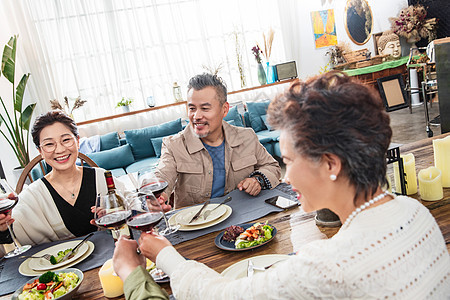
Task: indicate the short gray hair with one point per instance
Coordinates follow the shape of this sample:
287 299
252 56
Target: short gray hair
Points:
201 81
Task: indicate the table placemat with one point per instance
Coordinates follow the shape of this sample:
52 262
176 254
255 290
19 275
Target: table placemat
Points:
246 208
11 279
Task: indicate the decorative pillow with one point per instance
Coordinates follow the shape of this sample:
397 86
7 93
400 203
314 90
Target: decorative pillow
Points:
234 115
114 158
139 139
109 141
264 118
255 111
157 144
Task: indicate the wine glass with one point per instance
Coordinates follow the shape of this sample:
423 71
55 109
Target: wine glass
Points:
152 187
8 199
149 182
144 216
111 211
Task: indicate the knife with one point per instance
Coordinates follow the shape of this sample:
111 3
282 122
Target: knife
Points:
74 250
195 217
250 269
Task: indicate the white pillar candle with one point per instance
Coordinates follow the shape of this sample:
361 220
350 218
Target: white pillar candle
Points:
409 167
430 184
112 285
441 149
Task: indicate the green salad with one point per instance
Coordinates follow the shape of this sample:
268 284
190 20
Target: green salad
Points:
49 286
255 235
55 259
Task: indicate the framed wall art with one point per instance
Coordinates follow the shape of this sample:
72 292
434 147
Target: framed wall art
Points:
392 91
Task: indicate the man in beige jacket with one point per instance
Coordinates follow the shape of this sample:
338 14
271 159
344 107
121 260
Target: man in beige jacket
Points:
210 157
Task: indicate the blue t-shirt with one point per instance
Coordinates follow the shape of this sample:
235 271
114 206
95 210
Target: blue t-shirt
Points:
218 159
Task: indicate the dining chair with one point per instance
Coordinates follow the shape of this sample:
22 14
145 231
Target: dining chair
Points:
26 173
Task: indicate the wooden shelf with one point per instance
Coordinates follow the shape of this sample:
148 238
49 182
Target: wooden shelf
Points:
130 113
262 86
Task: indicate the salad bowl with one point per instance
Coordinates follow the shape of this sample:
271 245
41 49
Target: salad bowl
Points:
68 295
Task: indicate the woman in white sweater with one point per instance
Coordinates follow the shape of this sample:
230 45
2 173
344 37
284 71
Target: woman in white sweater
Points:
57 206
334 138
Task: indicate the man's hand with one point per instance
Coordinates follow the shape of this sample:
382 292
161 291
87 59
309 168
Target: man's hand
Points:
3 220
125 258
151 244
250 185
163 200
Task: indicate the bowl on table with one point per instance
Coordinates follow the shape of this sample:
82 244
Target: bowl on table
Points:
68 295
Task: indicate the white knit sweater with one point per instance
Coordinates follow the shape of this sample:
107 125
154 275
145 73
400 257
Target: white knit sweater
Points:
394 250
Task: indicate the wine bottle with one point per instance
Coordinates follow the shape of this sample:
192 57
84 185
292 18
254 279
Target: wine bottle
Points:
114 196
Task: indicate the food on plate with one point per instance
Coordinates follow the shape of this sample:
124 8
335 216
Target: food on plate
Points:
55 259
232 232
255 235
150 265
49 286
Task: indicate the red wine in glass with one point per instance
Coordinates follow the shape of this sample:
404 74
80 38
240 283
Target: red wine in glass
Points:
144 221
9 199
155 187
113 220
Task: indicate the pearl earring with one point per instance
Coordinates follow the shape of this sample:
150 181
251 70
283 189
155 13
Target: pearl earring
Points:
333 177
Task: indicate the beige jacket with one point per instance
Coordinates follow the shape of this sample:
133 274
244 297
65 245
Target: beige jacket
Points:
187 166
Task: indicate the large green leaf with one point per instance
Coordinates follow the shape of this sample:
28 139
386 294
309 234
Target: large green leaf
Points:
25 117
9 59
20 90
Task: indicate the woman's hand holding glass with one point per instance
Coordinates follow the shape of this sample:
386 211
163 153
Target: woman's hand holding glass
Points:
111 211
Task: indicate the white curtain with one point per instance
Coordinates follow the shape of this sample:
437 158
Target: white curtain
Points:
104 50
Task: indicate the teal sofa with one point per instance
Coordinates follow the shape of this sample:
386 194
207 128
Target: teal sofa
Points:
141 148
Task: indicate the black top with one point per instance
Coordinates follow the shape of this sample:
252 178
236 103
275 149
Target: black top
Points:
77 217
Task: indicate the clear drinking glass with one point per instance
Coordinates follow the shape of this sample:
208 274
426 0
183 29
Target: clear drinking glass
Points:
143 215
152 187
111 211
9 199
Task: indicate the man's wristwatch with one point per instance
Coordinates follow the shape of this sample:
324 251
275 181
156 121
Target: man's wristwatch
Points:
260 180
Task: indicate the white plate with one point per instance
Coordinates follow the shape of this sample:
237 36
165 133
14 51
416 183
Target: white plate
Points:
174 221
41 264
26 270
239 269
184 216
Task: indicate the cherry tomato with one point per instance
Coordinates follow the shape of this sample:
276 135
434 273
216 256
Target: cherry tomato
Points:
41 286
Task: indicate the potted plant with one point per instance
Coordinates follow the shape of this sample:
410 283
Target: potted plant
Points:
15 124
125 104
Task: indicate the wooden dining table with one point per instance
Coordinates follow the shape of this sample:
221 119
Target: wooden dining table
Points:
295 228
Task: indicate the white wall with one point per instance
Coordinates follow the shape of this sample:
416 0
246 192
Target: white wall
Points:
298 32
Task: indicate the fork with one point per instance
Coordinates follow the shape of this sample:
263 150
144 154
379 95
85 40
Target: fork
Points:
208 212
45 256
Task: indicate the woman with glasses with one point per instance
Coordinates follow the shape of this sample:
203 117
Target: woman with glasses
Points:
57 206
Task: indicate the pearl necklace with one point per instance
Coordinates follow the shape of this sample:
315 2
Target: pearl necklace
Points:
362 207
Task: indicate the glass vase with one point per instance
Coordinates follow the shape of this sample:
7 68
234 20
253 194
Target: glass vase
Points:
261 74
270 76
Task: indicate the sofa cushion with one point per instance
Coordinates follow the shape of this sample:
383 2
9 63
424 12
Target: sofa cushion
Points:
114 158
118 172
255 111
157 144
274 135
109 141
143 164
234 115
139 139
264 119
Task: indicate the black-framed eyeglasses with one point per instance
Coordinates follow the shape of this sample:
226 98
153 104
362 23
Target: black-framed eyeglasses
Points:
50 145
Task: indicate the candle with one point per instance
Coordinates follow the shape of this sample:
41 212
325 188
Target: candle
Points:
409 167
430 184
441 149
111 283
